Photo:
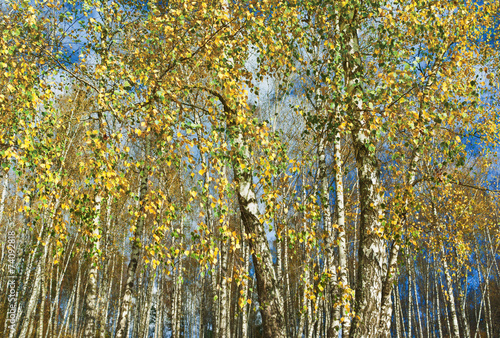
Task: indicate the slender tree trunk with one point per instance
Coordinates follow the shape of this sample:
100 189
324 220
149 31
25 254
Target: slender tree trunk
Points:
246 258
436 289
106 301
51 328
159 309
417 308
177 298
91 300
126 301
289 313
5 188
396 311
201 321
120 298
224 275
462 293
107 279
77 303
305 303
489 324
310 309
427 304
451 297
305 306
144 331
211 225
410 298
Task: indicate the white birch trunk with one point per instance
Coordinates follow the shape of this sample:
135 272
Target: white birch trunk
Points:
5 186
372 258
126 301
91 300
438 307
451 297
246 258
43 277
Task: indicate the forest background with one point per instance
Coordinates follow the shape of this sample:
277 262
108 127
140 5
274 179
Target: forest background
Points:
249 168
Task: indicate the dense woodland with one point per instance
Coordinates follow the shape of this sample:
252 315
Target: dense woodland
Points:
249 168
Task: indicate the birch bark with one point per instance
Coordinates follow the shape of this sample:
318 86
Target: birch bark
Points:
126 301
270 300
91 300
